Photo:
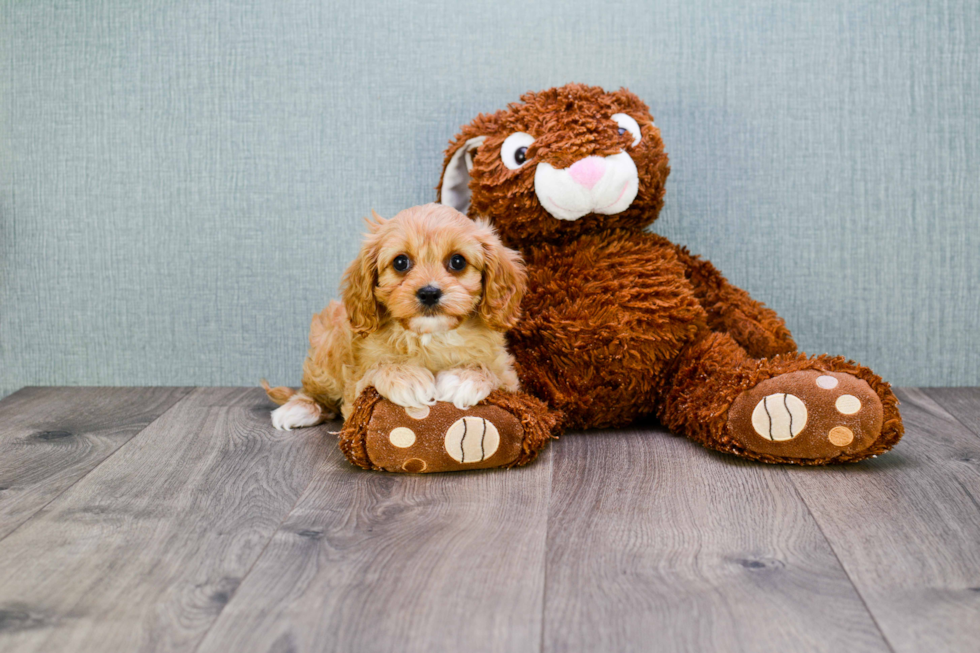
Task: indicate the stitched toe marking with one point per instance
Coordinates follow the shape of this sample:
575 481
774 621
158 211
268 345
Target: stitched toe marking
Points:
472 439
779 416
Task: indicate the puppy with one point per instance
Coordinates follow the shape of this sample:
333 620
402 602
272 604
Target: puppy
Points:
425 307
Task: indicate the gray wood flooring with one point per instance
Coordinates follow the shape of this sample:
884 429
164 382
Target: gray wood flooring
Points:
178 519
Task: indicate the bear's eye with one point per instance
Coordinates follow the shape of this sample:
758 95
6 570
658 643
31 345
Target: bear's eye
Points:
514 150
401 263
628 124
457 262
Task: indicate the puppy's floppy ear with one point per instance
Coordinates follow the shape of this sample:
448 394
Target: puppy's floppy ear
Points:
504 281
360 279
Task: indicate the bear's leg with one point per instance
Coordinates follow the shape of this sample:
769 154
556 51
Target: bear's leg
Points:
753 325
788 409
504 430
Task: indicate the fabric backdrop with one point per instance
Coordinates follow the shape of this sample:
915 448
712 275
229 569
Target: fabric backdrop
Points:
182 182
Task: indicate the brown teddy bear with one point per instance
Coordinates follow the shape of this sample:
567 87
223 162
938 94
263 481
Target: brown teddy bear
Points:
619 323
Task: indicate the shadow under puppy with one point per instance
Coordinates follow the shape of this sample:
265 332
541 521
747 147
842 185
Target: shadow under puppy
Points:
425 307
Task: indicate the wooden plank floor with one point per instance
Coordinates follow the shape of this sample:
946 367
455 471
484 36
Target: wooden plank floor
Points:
179 520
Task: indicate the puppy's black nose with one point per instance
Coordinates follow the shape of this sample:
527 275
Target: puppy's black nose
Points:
428 295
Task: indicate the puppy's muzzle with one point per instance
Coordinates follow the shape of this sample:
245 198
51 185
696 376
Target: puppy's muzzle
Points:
428 295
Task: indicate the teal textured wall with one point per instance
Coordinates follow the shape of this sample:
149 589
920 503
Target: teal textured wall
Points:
181 183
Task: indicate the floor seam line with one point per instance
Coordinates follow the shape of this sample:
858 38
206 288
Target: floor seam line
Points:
955 417
840 563
544 555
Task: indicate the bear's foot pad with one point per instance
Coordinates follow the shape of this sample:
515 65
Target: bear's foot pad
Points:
806 415
441 438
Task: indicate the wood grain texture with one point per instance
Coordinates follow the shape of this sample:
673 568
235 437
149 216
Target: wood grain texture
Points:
906 527
51 437
207 530
961 403
377 562
145 551
657 544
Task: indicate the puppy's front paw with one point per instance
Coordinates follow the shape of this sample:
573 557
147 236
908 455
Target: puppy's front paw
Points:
409 388
411 394
463 388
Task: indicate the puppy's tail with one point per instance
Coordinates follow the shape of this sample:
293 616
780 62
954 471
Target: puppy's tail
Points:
279 395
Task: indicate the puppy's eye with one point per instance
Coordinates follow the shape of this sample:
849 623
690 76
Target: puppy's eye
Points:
514 150
401 263
457 262
628 124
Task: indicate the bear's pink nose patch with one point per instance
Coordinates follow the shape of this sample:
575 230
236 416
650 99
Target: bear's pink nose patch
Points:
588 171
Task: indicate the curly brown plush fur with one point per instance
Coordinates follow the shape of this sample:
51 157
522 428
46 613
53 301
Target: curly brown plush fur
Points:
537 421
619 323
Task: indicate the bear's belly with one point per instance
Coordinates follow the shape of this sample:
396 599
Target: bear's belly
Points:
603 319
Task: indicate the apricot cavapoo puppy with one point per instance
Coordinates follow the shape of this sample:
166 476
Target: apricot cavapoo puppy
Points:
425 307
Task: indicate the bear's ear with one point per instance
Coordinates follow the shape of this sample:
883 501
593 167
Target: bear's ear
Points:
454 187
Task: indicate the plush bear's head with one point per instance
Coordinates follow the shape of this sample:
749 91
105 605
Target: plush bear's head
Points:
558 164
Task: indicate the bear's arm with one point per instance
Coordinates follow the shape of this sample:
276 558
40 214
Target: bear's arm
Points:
757 328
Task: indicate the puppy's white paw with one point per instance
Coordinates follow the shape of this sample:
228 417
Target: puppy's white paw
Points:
464 390
297 413
446 384
409 391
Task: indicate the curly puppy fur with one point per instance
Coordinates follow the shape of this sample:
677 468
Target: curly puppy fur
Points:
617 322
386 336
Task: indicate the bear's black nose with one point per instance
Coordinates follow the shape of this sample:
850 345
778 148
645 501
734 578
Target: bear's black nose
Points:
428 295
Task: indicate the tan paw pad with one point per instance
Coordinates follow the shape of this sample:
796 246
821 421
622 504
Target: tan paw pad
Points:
806 415
827 382
414 466
402 437
847 404
840 436
446 439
